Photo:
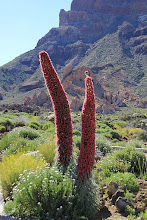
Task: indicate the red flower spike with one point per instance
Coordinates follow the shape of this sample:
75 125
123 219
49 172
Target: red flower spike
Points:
87 149
63 124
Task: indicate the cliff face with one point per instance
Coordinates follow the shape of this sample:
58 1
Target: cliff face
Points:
107 6
90 20
106 37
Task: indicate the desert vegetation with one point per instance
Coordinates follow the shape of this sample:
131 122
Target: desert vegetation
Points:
49 168
28 156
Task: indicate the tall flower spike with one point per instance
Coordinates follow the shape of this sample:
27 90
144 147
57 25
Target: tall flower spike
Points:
87 149
63 124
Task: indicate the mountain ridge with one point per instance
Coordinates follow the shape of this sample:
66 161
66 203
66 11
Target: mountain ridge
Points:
108 38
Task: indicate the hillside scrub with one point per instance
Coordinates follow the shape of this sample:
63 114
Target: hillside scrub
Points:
21 139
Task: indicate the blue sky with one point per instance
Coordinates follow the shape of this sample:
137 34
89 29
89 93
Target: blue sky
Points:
24 22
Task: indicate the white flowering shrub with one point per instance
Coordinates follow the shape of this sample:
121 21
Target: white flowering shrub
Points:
42 194
48 194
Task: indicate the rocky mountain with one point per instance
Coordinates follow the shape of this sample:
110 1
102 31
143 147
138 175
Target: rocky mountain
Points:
106 37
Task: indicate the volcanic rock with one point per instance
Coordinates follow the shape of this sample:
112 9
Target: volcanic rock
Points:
105 37
30 86
121 203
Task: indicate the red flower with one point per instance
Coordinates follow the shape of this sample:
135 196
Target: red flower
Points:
87 149
63 124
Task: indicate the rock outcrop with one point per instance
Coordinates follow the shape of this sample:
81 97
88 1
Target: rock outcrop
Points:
42 99
107 100
31 85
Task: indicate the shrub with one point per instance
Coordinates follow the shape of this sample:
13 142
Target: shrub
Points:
43 194
115 135
77 141
142 135
122 131
76 132
128 195
134 131
22 145
4 142
48 151
29 134
108 132
48 125
21 139
33 124
2 129
138 162
127 180
7 123
103 145
136 159
19 124
109 165
130 212
122 124
126 160
86 200
14 165
134 143
48 194
144 215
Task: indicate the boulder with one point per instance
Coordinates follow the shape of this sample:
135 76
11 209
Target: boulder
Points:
121 204
118 193
112 187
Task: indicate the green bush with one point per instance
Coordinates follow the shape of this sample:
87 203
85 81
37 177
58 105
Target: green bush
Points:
7 123
44 194
33 124
108 131
21 139
19 124
48 151
136 159
103 145
121 123
127 180
128 195
143 135
77 141
76 132
48 125
144 215
126 160
115 135
130 212
29 134
134 143
2 129
109 165
14 165
22 145
48 194
138 162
